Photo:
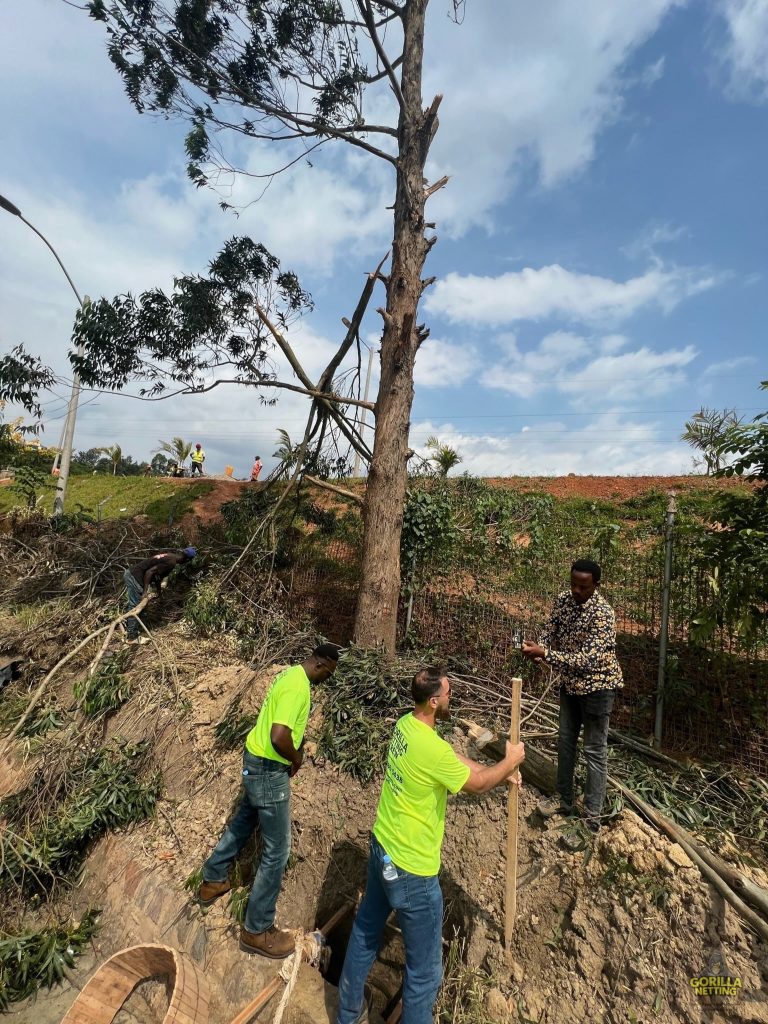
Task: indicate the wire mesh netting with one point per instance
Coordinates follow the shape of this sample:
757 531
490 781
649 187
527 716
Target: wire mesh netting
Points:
716 691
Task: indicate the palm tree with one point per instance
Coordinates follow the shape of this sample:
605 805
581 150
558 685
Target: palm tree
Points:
443 456
115 455
286 453
708 431
178 449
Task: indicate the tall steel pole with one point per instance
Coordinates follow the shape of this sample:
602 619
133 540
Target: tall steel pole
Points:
356 467
69 425
669 529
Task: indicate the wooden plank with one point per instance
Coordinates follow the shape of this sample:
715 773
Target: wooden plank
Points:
510 901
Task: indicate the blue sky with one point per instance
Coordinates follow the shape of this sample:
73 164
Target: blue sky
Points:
601 260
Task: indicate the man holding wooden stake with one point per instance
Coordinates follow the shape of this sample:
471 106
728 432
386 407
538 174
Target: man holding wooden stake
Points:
579 643
404 857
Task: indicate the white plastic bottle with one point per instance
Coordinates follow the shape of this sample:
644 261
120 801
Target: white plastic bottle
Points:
389 871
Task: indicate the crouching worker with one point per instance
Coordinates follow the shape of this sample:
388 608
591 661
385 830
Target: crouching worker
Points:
272 756
149 573
404 858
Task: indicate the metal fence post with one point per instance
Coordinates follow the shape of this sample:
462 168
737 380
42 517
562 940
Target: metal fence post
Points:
669 527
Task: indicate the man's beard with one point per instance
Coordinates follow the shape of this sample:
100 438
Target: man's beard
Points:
443 714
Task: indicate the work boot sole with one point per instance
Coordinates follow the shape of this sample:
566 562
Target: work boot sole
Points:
263 952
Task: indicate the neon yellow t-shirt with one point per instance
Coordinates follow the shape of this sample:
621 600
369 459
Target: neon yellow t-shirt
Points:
410 819
287 703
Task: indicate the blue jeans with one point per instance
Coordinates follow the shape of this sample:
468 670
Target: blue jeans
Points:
419 905
593 712
267 803
197 467
135 594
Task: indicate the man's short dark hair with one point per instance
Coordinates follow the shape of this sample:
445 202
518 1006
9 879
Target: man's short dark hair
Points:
328 651
427 683
587 565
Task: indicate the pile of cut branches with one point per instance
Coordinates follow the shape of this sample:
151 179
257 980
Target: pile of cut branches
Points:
74 798
363 700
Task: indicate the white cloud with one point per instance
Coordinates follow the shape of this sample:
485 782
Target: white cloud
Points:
589 367
609 445
553 291
727 365
746 50
653 73
442 364
527 83
652 236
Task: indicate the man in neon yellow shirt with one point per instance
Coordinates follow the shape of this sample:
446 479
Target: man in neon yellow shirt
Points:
405 850
272 756
198 458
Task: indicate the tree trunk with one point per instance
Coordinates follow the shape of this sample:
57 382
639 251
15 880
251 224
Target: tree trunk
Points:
376 617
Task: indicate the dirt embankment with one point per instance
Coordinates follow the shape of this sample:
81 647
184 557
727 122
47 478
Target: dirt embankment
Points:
612 937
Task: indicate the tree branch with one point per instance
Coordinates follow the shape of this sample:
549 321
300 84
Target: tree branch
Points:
367 13
354 439
331 487
353 326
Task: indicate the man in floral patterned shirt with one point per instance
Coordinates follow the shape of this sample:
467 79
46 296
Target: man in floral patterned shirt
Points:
579 644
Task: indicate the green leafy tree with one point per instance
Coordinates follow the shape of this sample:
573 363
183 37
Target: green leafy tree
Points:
89 459
160 463
736 549
178 449
22 378
707 431
443 456
295 72
27 481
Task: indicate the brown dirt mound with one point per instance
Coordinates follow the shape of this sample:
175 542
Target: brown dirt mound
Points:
616 936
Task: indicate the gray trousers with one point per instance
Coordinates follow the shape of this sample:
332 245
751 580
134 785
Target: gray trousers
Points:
591 711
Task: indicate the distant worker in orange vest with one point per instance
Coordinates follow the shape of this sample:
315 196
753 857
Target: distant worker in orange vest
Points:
198 458
256 469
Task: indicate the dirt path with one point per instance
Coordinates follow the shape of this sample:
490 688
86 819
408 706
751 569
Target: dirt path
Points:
207 508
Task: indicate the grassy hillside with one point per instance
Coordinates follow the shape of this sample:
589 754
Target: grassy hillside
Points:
119 497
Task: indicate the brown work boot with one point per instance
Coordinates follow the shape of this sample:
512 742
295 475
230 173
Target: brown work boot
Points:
210 891
274 943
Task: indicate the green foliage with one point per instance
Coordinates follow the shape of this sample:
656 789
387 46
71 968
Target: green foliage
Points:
178 449
429 530
28 481
735 550
443 456
125 497
106 690
165 53
22 377
230 731
242 515
209 611
325 519
707 432
237 903
46 837
362 699
13 704
204 323
115 455
32 960
461 999
622 880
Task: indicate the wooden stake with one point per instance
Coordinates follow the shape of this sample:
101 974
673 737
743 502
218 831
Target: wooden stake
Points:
260 1001
510 902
